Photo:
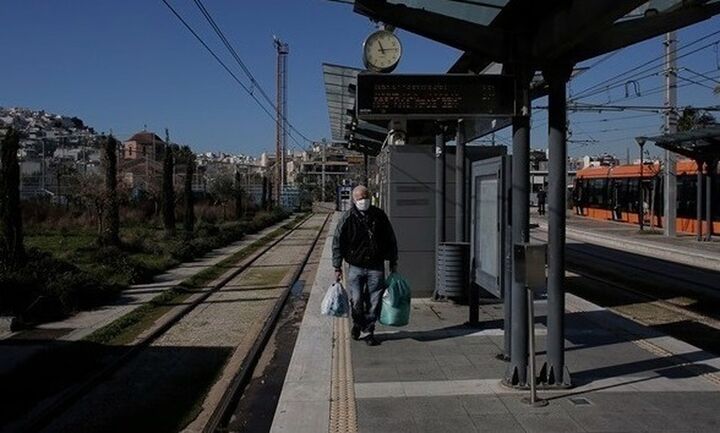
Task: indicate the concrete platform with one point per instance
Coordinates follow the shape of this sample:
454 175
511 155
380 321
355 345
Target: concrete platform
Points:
437 375
682 249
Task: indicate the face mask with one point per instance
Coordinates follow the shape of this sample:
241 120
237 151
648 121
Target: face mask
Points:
362 205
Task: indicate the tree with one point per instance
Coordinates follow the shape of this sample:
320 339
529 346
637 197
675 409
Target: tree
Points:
692 118
12 251
110 225
223 190
168 192
189 214
238 195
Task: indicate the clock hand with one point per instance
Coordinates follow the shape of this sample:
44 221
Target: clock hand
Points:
381 47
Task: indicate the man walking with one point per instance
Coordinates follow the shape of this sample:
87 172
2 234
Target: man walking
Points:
364 238
541 198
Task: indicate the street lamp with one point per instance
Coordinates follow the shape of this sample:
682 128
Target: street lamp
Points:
641 207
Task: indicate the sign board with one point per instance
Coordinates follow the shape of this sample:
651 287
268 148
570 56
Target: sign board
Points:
445 96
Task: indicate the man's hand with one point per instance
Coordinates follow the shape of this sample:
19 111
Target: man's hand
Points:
338 274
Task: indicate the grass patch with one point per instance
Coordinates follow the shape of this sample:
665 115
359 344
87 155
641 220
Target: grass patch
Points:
68 270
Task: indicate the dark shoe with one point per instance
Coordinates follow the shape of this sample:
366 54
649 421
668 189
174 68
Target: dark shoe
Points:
355 332
371 341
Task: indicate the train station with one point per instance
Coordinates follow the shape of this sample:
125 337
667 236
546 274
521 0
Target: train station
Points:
451 283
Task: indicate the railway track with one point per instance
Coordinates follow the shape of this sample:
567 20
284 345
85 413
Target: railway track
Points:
236 314
676 299
681 307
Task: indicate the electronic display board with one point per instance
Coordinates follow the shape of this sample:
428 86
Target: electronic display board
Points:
446 96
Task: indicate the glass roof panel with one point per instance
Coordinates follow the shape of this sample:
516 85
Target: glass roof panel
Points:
481 12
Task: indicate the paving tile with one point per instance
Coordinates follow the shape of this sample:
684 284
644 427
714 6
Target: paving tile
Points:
375 374
497 423
483 405
594 419
548 422
369 408
426 408
442 423
387 425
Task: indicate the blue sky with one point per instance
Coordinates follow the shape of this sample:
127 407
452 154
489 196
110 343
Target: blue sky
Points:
123 65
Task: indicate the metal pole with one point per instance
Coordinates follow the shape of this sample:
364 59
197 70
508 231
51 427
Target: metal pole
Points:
439 148
439 198
698 200
516 374
459 184
533 400
322 188
641 205
670 175
554 372
367 169
508 257
708 201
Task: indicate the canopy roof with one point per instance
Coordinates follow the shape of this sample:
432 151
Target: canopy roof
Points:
539 33
340 82
699 144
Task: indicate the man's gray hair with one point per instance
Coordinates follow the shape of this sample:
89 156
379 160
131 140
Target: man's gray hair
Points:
360 190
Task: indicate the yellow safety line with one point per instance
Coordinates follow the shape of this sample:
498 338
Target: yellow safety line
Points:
343 414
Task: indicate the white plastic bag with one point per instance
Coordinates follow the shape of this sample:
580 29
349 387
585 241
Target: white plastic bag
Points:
335 303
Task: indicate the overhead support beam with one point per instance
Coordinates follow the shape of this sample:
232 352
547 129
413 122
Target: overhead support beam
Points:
630 32
469 62
575 22
555 373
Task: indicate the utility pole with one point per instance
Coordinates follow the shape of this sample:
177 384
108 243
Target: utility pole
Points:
670 175
281 114
322 194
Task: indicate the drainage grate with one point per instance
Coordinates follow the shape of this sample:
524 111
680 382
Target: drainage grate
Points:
580 401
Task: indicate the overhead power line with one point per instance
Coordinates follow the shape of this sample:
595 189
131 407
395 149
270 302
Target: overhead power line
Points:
649 62
255 84
225 66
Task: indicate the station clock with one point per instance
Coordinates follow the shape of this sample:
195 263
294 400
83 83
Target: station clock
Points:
382 51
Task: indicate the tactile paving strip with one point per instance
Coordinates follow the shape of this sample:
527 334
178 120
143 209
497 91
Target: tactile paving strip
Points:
343 414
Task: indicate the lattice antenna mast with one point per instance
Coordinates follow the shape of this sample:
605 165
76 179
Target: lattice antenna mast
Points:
281 124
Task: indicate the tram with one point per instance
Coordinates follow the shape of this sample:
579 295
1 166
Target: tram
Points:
612 193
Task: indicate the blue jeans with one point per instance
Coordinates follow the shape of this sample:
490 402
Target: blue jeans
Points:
366 287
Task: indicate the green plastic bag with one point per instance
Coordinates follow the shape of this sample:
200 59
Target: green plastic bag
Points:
395 310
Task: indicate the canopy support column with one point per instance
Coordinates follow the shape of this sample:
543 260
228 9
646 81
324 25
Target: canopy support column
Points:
516 374
554 372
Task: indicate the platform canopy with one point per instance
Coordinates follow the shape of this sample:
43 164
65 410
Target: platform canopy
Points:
340 84
702 144
537 33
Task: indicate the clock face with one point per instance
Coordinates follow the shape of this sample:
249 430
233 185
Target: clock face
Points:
382 51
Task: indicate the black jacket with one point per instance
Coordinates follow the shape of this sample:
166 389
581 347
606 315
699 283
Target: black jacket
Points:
364 239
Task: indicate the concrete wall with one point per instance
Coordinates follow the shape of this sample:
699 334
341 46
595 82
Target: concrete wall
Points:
406 188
